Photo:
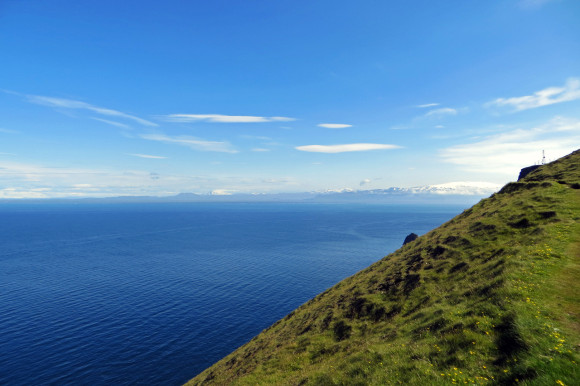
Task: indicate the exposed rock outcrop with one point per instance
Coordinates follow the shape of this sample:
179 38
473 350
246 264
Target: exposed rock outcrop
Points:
410 237
525 171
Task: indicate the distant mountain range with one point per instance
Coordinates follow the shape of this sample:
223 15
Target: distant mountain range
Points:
452 192
452 188
440 192
449 192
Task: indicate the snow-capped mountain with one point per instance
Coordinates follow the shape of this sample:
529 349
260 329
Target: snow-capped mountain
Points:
461 188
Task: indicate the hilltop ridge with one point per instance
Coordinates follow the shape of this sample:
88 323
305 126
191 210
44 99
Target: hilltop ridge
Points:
490 297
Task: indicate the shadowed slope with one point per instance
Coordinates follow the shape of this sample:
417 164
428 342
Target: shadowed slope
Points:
490 296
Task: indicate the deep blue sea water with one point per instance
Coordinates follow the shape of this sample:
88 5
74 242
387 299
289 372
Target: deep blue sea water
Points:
153 294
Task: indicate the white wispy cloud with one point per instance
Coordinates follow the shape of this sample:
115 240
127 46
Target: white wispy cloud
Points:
192 142
220 118
334 125
506 153
279 180
78 105
21 180
365 181
346 147
548 96
112 123
19 192
222 192
147 156
427 105
7 131
441 112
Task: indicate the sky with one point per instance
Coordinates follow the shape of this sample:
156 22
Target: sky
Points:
110 98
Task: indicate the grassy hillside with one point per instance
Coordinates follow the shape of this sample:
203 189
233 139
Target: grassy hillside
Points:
490 297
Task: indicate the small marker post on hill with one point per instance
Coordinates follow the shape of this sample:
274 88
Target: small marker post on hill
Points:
543 157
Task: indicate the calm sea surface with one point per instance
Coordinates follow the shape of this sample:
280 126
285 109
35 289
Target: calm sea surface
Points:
153 294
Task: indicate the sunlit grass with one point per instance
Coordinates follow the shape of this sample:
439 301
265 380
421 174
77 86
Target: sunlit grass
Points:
490 297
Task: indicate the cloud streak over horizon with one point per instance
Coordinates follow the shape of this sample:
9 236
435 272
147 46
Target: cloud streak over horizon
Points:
334 125
346 147
78 105
441 112
192 142
548 96
508 152
220 118
147 156
112 123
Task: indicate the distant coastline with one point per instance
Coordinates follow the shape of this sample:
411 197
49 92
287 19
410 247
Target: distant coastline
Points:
452 193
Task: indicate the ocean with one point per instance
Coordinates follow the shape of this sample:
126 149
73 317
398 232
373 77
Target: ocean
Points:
153 294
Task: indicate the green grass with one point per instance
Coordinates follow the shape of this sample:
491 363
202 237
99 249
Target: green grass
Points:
490 297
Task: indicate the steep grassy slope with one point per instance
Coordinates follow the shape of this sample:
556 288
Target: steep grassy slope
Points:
492 296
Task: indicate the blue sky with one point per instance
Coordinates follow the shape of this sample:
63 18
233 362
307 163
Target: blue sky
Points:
105 98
